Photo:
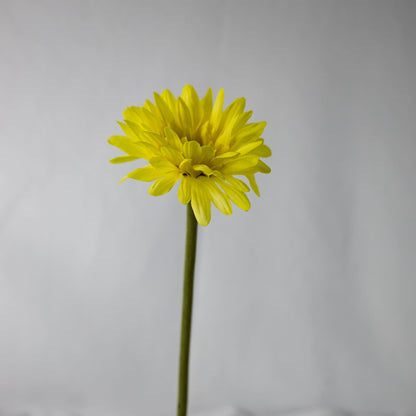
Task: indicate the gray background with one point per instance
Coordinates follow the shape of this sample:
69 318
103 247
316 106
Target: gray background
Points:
307 300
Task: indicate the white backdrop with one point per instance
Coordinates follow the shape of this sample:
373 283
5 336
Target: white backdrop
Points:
306 300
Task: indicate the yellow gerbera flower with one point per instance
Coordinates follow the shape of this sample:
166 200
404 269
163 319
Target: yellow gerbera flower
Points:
197 142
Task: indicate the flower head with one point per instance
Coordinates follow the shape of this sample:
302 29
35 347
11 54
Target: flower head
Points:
197 142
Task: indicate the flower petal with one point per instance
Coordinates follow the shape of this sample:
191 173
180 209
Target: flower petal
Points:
201 205
142 135
227 155
127 130
192 150
145 119
206 105
163 164
253 184
173 139
149 106
172 155
237 183
191 99
123 159
133 148
217 110
248 147
134 128
170 101
233 111
239 198
251 130
218 198
164 185
263 168
204 169
218 174
184 191
262 151
186 165
207 154
145 174
242 121
163 108
184 116
240 164
154 139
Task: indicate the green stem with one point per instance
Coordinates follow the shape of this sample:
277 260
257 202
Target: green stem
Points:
188 288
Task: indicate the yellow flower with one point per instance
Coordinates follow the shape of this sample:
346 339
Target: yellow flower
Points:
198 143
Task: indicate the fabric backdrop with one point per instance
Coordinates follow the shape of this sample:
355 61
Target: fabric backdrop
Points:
306 300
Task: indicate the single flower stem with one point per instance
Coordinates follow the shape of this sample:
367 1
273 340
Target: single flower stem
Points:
188 288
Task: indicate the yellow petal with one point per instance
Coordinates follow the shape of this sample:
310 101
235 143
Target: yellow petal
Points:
227 155
217 110
201 205
218 174
184 116
205 133
144 135
154 139
187 167
234 110
206 105
218 198
263 168
184 191
248 147
127 130
173 139
241 121
138 134
148 120
148 149
170 101
141 117
145 174
191 99
148 105
164 185
123 159
134 128
127 145
253 184
263 151
223 141
207 154
192 150
162 164
131 113
163 108
240 164
172 155
252 130
237 183
204 169
239 198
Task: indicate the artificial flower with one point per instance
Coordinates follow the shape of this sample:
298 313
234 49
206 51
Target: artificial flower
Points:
196 142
